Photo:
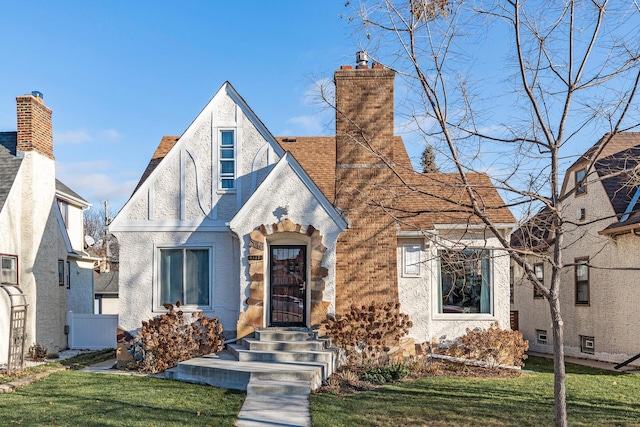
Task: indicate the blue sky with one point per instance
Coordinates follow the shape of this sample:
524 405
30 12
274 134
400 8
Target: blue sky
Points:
120 75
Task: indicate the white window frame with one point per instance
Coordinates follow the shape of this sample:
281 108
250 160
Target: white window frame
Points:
541 337
411 259
587 344
157 303
227 176
15 269
437 314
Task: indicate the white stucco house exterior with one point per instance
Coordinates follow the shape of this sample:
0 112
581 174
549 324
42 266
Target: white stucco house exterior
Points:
41 236
601 252
282 231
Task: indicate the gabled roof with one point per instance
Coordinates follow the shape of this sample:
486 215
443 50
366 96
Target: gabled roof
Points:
166 144
9 164
68 194
106 283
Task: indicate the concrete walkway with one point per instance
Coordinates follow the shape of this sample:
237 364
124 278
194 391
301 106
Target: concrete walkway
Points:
262 411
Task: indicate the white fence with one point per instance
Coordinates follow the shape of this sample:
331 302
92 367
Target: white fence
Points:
92 331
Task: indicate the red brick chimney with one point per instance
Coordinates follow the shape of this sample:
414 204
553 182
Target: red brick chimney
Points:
366 267
34 125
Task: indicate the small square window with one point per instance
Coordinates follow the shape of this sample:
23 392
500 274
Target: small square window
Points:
587 344
411 259
541 336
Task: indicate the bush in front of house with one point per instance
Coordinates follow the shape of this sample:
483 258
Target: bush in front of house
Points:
494 346
170 338
367 333
37 353
385 374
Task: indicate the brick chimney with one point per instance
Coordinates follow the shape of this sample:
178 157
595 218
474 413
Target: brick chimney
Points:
364 112
34 125
366 267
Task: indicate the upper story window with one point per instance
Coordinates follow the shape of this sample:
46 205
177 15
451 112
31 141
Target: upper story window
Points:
411 259
64 211
9 265
582 281
465 281
227 172
581 181
538 269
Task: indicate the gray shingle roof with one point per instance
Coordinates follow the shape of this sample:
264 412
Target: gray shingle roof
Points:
62 188
106 283
9 164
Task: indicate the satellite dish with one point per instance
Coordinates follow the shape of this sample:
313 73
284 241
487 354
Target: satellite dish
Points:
89 241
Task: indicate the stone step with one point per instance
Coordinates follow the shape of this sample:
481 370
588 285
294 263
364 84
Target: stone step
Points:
312 345
278 388
224 371
284 335
326 357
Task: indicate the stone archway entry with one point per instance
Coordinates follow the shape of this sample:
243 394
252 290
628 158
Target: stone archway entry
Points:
255 316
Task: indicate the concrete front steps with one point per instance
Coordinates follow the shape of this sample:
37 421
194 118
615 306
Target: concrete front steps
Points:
273 362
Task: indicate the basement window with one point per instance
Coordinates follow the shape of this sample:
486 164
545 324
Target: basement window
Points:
587 344
541 336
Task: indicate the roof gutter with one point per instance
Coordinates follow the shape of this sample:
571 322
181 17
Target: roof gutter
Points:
619 230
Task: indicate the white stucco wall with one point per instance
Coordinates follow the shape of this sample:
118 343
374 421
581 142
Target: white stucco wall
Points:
419 295
612 316
138 274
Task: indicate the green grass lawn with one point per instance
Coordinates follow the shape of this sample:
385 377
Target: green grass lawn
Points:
75 398
594 398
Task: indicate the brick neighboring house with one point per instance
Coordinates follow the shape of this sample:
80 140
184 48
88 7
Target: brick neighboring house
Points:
264 231
599 294
41 234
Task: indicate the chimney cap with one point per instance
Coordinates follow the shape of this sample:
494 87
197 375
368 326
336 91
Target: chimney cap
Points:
362 58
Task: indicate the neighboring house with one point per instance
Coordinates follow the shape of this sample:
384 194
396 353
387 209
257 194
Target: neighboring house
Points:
41 236
601 248
105 285
263 231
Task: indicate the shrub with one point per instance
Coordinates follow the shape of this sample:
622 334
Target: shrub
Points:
168 339
38 353
494 346
368 332
386 373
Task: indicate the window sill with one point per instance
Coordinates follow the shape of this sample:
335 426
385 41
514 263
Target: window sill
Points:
464 316
184 308
229 191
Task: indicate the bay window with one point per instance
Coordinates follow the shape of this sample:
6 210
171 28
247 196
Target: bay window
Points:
465 281
185 276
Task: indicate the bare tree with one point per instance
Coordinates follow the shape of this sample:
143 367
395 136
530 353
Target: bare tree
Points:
105 244
511 88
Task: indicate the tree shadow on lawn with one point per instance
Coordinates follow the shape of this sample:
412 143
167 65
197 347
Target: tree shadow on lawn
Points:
521 401
104 400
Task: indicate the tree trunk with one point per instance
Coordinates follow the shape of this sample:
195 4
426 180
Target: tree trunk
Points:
559 388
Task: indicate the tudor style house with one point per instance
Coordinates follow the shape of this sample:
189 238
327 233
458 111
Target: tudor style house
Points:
45 271
599 286
264 231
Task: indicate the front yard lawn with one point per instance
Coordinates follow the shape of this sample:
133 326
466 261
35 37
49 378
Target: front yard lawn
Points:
594 398
75 398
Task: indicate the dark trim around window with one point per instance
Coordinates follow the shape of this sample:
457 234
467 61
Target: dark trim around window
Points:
538 269
582 281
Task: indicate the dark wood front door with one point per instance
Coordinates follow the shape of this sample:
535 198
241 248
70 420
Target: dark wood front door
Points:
288 273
